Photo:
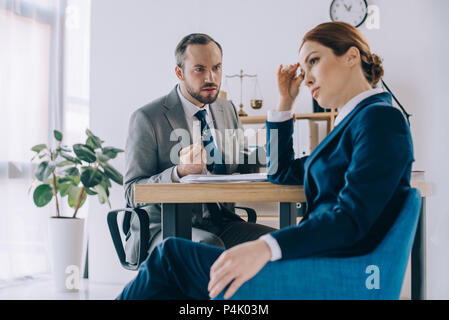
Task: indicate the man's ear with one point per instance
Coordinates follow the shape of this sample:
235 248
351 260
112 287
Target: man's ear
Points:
179 73
352 56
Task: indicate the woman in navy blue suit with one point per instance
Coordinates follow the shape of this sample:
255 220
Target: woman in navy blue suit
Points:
355 180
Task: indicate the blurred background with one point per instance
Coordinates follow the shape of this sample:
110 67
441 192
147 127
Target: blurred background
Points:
76 64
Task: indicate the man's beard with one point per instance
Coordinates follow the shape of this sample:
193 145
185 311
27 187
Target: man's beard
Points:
197 94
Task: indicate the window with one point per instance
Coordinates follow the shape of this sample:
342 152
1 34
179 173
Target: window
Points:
43 82
77 53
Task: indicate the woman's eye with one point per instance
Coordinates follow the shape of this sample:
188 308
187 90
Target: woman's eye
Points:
313 61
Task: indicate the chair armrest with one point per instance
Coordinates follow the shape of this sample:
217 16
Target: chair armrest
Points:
144 222
252 216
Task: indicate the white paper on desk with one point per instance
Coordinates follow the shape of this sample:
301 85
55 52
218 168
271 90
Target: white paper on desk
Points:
203 178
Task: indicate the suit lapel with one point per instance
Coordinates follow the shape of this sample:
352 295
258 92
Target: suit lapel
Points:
175 113
335 133
176 117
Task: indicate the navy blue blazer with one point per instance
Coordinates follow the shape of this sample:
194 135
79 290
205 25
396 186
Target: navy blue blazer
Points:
355 181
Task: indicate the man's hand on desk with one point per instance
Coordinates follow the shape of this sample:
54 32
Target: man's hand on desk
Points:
236 266
192 160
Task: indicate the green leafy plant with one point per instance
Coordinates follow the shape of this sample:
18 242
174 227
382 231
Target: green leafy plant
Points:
74 172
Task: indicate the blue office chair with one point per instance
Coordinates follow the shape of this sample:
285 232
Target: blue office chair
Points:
378 275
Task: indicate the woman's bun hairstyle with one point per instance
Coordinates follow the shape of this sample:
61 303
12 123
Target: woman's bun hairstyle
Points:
340 36
375 70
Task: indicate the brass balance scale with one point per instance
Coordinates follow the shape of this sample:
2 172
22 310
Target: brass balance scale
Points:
256 101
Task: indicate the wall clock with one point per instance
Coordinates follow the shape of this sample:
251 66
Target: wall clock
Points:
353 12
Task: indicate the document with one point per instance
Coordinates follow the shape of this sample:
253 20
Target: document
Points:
205 178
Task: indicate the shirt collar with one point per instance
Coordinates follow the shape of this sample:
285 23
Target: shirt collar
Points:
351 104
189 108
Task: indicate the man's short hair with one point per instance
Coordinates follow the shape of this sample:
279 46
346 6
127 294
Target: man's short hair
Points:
194 38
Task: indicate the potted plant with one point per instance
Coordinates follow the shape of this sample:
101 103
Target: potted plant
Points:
72 173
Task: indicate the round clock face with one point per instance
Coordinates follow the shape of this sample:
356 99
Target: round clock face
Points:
353 12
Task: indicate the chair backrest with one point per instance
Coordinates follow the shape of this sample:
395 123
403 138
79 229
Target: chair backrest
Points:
126 223
343 278
395 249
116 234
405 224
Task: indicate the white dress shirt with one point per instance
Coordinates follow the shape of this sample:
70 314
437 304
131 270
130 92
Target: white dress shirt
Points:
195 130
351 104
194 124
280 116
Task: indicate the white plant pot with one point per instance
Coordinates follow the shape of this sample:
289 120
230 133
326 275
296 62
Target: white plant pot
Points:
66 242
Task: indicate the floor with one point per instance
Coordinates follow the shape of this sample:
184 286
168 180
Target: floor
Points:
41 288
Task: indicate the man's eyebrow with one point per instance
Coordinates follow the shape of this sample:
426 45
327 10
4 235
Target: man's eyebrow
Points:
200 65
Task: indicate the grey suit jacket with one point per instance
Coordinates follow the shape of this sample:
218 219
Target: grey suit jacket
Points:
152 144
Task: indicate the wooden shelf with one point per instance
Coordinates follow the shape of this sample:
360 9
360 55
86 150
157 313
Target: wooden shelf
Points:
319 116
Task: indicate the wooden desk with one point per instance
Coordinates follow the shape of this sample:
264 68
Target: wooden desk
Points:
176 224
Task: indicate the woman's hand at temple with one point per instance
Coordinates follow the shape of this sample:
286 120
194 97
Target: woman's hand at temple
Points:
288 85
237 265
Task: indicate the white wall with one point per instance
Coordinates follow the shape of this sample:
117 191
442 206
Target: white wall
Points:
436 152
132 46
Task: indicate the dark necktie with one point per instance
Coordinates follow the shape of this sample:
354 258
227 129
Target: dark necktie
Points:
209 145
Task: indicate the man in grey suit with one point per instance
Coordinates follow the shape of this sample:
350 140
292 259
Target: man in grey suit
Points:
192 118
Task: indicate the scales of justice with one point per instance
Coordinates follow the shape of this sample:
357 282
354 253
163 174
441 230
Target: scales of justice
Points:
256 100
